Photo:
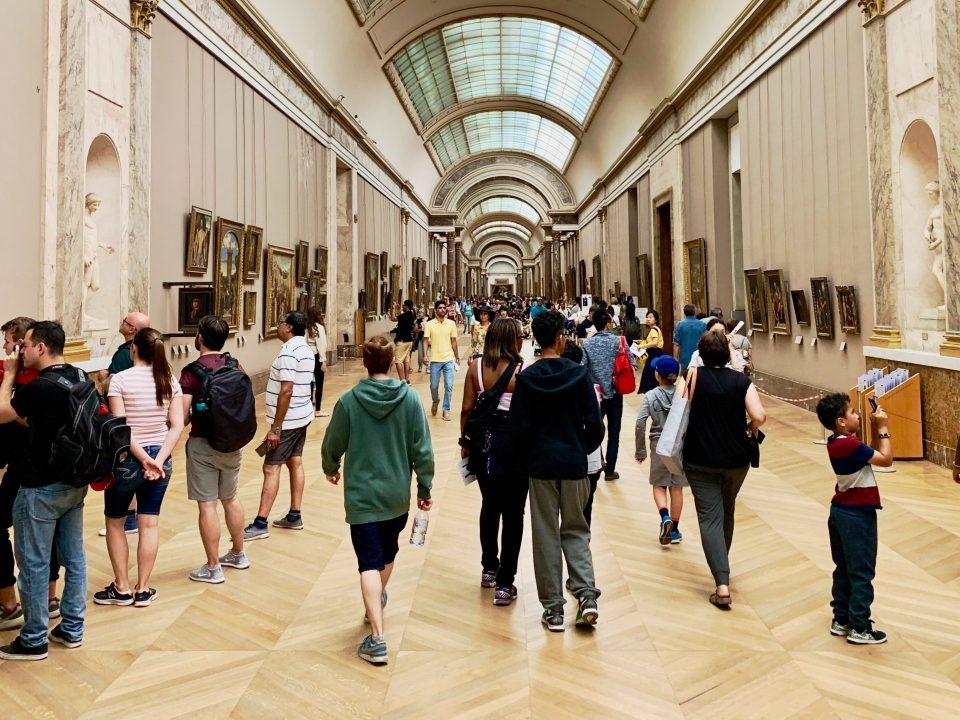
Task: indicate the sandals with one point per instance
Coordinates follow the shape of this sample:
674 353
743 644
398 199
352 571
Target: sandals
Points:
722 602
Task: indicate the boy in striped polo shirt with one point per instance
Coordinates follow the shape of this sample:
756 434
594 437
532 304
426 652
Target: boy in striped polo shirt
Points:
853 516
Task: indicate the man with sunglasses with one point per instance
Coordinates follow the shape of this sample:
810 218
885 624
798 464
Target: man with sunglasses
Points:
440 334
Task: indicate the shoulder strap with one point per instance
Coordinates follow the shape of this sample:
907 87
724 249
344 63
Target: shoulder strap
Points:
690 386
504 380
198 369
480 372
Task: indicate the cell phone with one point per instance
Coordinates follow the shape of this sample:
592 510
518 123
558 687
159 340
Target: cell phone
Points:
873 403
262 449
737 328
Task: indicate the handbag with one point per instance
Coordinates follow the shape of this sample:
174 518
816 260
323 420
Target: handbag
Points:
670 444
755 441
623 378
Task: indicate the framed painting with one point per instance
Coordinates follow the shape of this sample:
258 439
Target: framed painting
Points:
396 292
320 263
371 284
303 260
383 266
252 252
616 289
249 308
228 272
197 258
279 280
847 308
756 300
322 303
302 298
801 311
644 298
314 286
822 306
777 302
192 304
695 273
597 276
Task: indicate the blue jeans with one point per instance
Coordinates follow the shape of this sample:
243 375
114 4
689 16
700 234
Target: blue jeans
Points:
853 545
43 517
448 370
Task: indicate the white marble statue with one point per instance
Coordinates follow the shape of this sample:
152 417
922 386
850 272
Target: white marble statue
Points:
934 234
91 251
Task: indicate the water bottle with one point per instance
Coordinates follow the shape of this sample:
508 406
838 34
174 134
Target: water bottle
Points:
418 536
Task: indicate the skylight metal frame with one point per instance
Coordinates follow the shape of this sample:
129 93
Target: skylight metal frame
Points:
502 204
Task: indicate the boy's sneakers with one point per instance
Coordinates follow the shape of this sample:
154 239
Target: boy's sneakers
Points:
675 537
505 595
866 637
488 579
16 651
666 527
255 532
587 613
373 650
144 598
289 523
11 619
839 630
111 596
235 560
208 575
553 619
57 636
53 608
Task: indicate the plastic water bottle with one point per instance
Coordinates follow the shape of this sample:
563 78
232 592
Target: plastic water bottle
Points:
418 536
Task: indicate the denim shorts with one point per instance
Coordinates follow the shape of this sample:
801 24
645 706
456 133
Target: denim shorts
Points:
129 482
377 543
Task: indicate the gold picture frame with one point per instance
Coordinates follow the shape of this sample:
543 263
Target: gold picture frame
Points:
847 309
778 302
695 273
249 308
756 299
228 272
371 284
315 286
197 253
320 261
252 251
822 302
303 261
279 285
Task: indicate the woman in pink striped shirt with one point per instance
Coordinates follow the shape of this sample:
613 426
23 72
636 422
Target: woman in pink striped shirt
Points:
145 395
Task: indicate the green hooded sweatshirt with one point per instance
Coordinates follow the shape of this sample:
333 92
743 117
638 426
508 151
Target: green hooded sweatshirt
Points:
382 429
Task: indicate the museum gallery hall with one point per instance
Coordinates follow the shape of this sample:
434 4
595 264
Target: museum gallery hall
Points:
233 174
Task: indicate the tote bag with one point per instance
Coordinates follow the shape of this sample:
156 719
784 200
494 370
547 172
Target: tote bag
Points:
670 444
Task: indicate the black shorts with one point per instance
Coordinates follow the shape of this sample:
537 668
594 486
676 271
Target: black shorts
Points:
291 445
129 482
377 543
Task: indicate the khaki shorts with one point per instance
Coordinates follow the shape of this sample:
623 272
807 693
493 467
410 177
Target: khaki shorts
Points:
401 352
211 475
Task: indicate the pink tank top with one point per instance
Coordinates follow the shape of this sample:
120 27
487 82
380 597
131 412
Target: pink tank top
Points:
505 399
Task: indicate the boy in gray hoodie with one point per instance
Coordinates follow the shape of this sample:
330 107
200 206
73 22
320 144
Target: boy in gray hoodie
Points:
656 406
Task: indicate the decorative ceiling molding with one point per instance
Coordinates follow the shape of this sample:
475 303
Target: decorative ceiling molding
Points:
502 102
529 168
504 190
503 186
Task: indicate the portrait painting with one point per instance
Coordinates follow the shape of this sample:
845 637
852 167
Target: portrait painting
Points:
371 284
383 266
801 311
320 263
756 299
279 280
847 309
193 304
252 252
822 306
396 292
695 273
322 303
198 242
597 276
314 286
644 298
228 272
249 308
777 302
303 261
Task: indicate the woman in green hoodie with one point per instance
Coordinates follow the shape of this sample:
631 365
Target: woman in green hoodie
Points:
381 428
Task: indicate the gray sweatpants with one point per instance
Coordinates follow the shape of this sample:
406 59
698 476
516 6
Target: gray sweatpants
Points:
553 541
715 496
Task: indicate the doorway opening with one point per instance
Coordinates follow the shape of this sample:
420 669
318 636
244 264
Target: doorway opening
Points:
663 241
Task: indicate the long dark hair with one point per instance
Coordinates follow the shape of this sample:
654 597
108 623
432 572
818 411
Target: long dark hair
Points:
503 337
150 349
314 318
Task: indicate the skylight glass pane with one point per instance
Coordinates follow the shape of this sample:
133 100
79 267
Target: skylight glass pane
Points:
508 130
501 205
500 231
502 56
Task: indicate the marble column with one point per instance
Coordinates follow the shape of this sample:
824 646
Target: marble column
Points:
947 17
458 262
600 292
328 160
404 261
547 257
71 168
880 161
451 269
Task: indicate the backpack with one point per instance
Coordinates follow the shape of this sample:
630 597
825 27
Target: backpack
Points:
93 441
478 425
224 408
623 378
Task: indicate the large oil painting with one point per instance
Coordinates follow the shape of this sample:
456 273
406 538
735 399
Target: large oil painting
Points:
695 273
228 272
252 252
822 306
279 286
198 242
777 302
371 284
756 300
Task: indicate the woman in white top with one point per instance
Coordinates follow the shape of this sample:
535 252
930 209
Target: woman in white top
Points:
317 340
145 395
504 493
736 359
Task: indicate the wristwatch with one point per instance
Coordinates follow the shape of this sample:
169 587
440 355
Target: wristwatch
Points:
884 436
276 429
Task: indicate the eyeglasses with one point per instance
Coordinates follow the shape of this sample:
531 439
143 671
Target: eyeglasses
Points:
128 324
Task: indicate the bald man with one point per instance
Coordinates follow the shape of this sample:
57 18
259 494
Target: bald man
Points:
131 323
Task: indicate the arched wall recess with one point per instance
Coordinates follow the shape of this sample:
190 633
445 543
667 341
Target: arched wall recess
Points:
103 291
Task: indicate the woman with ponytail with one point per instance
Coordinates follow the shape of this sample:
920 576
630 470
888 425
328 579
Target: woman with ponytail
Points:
145 395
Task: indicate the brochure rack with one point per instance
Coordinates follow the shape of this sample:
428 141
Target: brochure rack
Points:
905 425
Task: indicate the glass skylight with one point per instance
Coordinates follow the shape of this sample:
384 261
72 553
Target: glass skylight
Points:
506 129
502 56
503 205
501 226
499 231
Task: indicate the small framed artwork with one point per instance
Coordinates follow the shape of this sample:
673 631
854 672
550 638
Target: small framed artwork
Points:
193 303
597 276
249 308
320 261
228 273
847 308
197 259
801 311
303 260
279 286
777 302
314 286
822 306
302 301
616 289
383 266
644 298
695 273
371 284
756 300
252 252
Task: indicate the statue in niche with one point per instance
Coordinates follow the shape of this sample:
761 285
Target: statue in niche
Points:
91 264
934 234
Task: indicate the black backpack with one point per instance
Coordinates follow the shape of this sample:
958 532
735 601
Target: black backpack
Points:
224 409
93 442
481 417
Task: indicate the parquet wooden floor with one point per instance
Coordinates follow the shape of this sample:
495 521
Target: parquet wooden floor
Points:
279 640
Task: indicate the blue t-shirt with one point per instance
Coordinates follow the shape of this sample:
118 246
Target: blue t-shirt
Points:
687 335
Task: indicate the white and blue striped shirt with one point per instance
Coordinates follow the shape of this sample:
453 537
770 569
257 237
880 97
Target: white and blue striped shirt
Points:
295 364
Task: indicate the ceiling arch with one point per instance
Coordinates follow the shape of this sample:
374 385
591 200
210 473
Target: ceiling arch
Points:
523 166
502 204
481 248
514 187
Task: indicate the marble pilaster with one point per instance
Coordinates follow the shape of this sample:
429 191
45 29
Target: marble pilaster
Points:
548 267
451 269
70 168
458 262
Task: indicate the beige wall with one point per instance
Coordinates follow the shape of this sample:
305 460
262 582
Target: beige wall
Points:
22 42
618 263
590 245
805 191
